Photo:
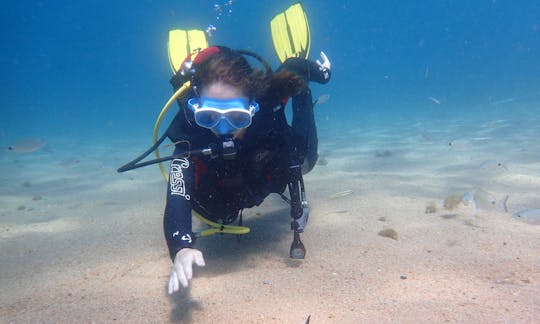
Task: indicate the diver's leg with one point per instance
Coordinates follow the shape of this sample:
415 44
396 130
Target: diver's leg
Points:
304 129
297 251
299 212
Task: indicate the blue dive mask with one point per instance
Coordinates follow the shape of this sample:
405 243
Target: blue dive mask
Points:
223 116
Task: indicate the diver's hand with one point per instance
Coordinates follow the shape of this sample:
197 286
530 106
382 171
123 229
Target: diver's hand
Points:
182 270
325 64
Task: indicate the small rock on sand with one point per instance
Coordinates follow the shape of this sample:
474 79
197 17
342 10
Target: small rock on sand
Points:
390 233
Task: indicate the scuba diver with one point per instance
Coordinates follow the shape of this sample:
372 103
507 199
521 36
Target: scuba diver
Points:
238 112
233 143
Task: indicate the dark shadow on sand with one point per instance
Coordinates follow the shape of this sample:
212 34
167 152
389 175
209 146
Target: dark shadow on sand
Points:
183 307
268 231
227 253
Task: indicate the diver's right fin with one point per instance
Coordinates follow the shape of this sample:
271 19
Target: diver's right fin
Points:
290 33
183 43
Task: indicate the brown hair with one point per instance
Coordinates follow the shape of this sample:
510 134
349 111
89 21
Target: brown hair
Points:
232 68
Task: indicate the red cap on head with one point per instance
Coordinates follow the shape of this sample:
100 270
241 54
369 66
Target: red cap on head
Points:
201 56
205 54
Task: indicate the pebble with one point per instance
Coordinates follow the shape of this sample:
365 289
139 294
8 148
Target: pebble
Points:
390 233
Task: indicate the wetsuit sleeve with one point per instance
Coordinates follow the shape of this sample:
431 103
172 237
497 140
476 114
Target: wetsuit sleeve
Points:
177 218
305 139
307 69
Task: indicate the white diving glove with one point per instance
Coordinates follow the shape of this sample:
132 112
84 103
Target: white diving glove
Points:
325 64
182 270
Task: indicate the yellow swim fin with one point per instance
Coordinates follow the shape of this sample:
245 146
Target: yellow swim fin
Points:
182 43
290 33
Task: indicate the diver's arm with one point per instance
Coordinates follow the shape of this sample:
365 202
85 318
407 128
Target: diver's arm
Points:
177 218
177 223
318 71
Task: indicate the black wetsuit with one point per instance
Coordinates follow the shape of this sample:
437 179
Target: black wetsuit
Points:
219 188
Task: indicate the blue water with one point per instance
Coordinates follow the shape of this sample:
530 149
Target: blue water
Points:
428 100
100 69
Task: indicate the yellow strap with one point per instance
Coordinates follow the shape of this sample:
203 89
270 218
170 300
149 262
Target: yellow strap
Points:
178 93
219 228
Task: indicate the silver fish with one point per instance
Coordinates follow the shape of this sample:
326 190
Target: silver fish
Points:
27 145
531 216
486 201
321 99
434 100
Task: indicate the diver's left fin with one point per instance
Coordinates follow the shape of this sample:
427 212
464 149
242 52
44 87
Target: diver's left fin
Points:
183 43
290 33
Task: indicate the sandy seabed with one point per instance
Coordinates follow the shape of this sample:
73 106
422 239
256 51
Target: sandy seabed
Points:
81 243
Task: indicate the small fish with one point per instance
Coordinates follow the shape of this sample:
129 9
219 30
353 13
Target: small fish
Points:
383 154
341 194
27 145
484 200
503 101
459 143
426 135
69 162
481 138
531 216
492 165
434 100
321 99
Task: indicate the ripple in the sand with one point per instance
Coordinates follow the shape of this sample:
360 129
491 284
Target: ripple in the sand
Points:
340 194
448 216
56 225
